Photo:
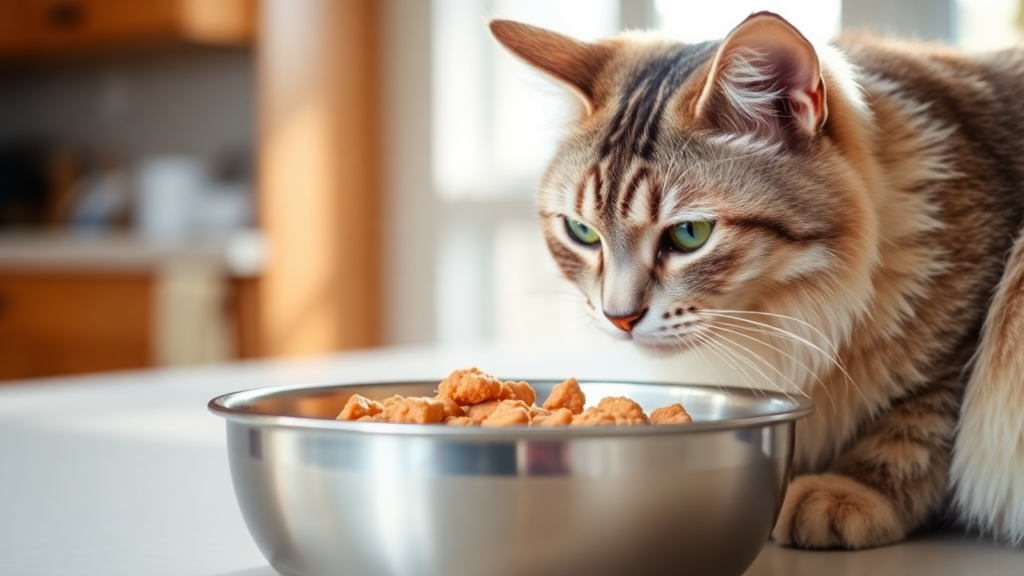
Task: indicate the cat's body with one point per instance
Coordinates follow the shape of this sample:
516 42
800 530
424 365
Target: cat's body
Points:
869 199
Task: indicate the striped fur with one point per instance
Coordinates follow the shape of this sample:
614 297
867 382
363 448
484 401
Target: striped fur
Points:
867 204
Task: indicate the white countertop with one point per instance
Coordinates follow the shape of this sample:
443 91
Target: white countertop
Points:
126 474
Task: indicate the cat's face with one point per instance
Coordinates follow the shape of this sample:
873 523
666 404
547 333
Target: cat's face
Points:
699 181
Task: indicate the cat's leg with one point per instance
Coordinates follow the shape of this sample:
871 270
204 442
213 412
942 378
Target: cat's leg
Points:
988 459
890 480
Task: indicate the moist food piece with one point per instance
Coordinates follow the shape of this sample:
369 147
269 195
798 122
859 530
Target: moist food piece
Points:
479 412
508 413
612 411
417 411
559 417
674 414
375 418
359 407
626 411
518 391
460 421
538 412
389 405
467 387
566 395
594 416
391 401
451 408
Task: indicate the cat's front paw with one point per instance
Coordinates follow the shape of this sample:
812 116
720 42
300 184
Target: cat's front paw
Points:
835 511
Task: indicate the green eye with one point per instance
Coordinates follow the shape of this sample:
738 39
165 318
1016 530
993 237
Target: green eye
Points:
689 236
581 232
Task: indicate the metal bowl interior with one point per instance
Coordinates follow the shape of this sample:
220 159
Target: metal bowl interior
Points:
322 496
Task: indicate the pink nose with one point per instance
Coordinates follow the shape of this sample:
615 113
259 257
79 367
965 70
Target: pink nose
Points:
626 323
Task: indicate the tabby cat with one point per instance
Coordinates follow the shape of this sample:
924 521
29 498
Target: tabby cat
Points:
856 207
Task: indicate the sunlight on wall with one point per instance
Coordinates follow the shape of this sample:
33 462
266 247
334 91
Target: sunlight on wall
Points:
818 20
988 24
495 119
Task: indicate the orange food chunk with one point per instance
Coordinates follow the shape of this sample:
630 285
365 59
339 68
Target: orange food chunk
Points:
566 395
559 417
358 407
628 411
508 413
479 412
391 401
460 421
417 411
451 407
594 416
673 414
518 391
471 386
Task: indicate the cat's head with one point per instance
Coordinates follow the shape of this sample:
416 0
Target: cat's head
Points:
705 179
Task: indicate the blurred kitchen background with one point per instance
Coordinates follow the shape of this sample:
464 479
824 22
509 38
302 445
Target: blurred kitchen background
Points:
195 181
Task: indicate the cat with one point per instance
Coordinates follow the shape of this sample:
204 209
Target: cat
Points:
863 200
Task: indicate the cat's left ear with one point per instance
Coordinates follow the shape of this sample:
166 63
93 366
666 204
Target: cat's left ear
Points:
765 80
576 64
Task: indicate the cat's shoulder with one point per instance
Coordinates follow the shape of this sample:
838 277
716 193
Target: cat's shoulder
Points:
897 57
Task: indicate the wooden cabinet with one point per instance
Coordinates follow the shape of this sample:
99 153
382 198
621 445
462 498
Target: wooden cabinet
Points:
54 323
32 28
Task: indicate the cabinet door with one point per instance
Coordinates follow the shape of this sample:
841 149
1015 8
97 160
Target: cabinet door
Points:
53 324
57 27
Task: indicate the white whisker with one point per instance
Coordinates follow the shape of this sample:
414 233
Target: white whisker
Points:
739 357
834 360
779 350
757 356
714 347
784 317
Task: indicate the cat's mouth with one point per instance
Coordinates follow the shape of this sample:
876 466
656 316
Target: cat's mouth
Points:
667 345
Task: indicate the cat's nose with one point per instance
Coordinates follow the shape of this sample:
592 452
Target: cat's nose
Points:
626 323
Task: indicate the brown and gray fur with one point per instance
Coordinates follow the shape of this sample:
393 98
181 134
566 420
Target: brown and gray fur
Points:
867 200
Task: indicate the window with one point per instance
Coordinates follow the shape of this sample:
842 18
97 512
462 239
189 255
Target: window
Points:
988 24
818 20
496 120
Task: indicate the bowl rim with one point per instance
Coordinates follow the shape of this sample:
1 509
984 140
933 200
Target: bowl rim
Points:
801 406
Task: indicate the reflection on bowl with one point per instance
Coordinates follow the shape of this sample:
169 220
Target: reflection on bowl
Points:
360 498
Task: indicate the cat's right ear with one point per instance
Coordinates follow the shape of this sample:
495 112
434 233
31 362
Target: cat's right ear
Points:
574 63
765 79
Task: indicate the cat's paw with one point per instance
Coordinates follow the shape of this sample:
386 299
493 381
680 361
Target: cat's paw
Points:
834 511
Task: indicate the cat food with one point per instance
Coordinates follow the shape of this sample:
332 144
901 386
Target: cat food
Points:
417 411
673 414
359 407
566 395
468 387
471 397
508 413
622 411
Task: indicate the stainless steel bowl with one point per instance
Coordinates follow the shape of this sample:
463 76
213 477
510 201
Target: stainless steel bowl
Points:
353 498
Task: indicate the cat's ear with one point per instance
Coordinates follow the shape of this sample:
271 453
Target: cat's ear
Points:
572 62
766 80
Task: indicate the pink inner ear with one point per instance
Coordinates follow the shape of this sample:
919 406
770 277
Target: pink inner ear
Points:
798 76
762 63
